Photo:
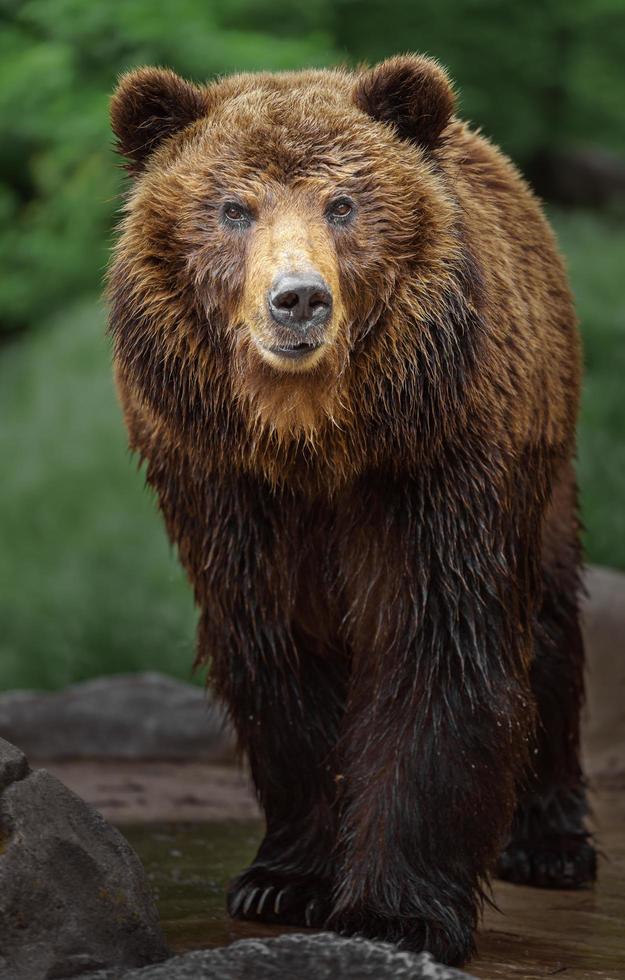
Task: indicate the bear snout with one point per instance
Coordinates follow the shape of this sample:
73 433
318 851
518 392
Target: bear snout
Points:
300 304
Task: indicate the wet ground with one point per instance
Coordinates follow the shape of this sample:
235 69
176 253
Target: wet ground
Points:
535 934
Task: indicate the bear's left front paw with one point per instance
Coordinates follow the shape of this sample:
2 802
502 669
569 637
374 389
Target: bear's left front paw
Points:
559 861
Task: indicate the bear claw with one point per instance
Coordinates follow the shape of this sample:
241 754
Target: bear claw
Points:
261 895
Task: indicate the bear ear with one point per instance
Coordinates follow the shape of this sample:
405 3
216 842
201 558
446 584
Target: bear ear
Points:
411 92
149 105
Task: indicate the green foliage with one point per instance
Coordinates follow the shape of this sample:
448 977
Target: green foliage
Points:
88 583
595 250
533 75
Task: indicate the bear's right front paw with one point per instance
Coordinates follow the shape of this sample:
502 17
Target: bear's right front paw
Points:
262 895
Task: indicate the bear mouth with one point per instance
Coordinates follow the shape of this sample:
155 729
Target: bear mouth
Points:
295 352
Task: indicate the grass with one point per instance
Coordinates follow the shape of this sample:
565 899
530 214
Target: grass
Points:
88 583
595 252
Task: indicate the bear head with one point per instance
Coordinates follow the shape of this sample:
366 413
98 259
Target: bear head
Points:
275 223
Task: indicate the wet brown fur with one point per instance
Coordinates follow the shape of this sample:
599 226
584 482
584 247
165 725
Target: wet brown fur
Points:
383 546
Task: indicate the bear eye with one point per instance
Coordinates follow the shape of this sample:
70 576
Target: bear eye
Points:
340 210
235 213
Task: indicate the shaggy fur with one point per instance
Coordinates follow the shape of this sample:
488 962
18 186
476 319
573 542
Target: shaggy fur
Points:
383 541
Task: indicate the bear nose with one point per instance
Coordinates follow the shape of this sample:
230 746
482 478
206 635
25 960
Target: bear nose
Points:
300 301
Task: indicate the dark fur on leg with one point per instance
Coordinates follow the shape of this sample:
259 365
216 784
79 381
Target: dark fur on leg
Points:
284 689
290 879
550 846
438 718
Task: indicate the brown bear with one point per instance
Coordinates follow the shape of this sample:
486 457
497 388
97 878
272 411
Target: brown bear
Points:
345 347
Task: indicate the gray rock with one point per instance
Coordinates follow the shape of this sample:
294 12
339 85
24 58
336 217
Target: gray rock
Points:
604 632
73 894
324 956
127 716
13 764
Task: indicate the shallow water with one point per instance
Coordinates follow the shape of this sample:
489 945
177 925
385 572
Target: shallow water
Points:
536 934
189 867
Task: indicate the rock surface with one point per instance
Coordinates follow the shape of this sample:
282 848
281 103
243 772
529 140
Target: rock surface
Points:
324 956
604 634
13 764
73 894
127 716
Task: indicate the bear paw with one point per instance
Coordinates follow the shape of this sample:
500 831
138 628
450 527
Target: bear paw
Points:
451 943
567 861
262 895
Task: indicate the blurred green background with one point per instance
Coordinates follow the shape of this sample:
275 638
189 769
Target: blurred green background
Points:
88 583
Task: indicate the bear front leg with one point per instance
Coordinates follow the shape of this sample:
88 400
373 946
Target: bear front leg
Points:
438 718
286 714
286 711
284 695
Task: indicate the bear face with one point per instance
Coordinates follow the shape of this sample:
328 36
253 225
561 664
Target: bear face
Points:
277 219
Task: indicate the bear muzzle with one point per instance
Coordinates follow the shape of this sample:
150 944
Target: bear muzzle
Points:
300 306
